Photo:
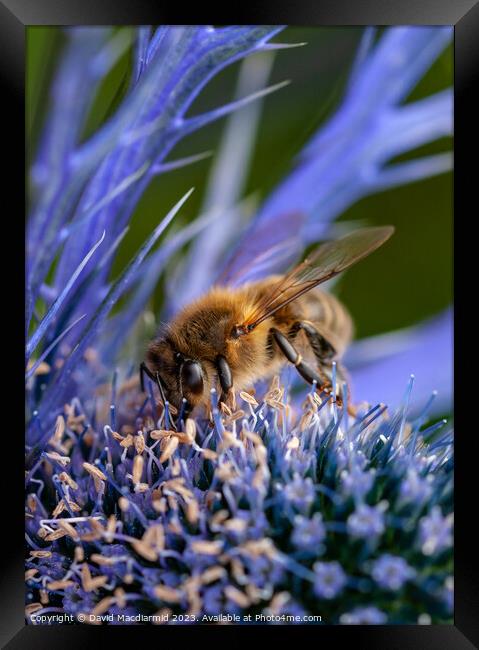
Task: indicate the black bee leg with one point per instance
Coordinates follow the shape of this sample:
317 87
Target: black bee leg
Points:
324 352
322 348
224 375
291 354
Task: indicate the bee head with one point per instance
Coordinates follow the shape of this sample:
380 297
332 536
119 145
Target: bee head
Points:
180 377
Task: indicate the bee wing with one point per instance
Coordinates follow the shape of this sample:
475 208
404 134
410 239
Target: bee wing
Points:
324 263
249 259
272 260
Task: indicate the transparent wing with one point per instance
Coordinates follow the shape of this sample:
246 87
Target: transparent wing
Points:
266 248
324 263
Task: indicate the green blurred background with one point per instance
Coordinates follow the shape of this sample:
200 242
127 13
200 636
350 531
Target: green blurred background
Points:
407 281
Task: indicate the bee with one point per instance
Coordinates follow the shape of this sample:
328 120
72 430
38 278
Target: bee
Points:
235 336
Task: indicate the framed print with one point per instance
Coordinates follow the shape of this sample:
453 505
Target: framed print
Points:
241 370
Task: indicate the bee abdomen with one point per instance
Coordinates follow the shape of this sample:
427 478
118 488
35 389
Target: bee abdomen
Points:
330 317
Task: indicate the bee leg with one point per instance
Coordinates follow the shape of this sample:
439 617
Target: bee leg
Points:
325 353
322 348
343 375
224 375
293 356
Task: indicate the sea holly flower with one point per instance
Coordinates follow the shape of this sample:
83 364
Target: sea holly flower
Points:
53 565
356 482
77 601
414 488
187 540
435 532
263 571
367 521
299 492
391 572
330 579
309 533
364 616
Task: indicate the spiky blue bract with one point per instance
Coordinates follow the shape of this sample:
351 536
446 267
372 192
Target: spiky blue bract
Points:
84 193
350 156
273 511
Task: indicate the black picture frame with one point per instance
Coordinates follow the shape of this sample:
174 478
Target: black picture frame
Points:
15 16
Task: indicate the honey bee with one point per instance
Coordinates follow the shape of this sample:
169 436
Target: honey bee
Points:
235 336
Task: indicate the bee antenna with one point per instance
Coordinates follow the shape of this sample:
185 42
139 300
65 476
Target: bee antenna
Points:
144 371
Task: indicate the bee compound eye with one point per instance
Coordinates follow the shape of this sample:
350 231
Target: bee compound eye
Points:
192 376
